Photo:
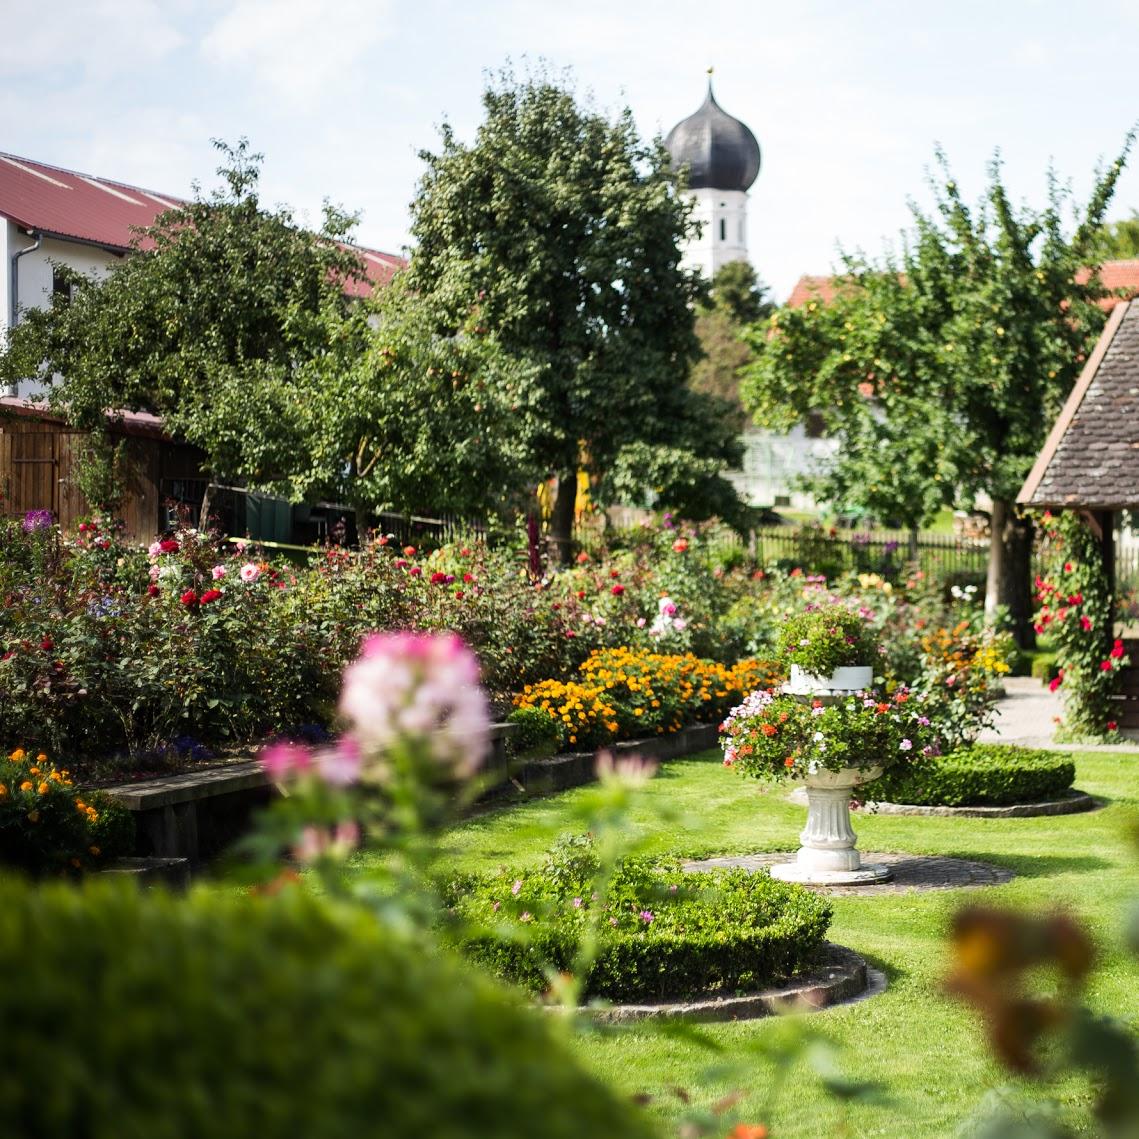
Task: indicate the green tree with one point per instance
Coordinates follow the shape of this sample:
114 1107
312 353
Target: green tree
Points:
558 231
214 322
1119 240
738 298
941 371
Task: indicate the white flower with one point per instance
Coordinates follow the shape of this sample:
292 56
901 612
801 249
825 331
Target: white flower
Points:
818 737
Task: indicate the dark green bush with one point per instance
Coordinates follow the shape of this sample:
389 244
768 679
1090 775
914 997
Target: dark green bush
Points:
663 933
1045 666
133 1015
981 775
538 732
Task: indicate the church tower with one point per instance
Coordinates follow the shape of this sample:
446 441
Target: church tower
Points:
722 158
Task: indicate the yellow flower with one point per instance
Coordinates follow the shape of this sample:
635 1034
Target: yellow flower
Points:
33 816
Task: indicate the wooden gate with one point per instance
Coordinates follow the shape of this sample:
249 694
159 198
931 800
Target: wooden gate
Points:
31 460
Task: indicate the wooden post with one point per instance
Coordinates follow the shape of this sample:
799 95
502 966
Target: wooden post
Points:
1106 519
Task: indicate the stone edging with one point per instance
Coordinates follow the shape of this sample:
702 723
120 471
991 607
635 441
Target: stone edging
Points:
1073 803
560 772
843 976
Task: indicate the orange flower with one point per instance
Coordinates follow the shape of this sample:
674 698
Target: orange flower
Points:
789 761
768 729
748 1131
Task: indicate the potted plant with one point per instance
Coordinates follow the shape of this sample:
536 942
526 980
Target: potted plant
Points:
831 745
830 649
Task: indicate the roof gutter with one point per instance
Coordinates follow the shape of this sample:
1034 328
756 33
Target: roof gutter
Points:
14 288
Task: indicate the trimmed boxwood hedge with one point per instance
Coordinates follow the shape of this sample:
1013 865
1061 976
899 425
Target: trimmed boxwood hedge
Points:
982 775
663 932
132 1015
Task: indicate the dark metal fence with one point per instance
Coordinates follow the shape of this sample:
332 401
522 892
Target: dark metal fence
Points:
884 552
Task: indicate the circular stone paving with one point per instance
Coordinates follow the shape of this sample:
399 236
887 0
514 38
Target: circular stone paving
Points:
843 977
912 872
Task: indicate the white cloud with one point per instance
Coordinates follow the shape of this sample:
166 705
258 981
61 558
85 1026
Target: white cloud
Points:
301 51
72 39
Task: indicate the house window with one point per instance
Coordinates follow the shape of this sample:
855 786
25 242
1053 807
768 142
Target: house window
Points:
61 286
723 230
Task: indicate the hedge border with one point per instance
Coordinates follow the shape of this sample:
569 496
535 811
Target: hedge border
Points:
842 977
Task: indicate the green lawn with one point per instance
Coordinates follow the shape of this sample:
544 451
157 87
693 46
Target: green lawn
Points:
925 1049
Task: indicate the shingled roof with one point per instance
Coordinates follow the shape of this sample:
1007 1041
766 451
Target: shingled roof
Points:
1091 457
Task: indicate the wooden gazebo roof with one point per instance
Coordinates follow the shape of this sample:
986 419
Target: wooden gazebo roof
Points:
1090 460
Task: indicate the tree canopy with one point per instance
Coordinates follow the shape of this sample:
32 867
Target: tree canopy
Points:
559 231
940 371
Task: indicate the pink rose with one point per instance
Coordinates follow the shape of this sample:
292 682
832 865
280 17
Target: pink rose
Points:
249 572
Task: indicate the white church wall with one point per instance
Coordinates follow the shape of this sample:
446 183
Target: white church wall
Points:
723 230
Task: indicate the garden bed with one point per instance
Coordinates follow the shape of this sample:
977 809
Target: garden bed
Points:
984 775
662 932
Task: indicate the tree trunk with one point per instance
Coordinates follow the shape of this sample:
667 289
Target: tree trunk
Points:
561 519
1009 583
363 525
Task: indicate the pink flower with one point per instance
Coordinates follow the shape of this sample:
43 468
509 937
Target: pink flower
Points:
416 571
417 686
667 607
154 549
680 545
249 572
339 766
516 889
647 917
281 760
640 622
1085 624
218 572
577 903
525 916
1055 683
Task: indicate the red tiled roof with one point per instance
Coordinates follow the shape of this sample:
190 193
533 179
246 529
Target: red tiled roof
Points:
811 288
96 211
1115 275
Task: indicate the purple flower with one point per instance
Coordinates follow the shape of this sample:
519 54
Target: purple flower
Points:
38 520
647 917
577 903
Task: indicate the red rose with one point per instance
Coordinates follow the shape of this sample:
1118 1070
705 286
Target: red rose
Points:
168 546
458 595
617 590
47 644
1085 623
614 573
680 545
468 578
189 598
438 578
464 552
1105 666
82 527
152 589
1112 725
1117 649
210 595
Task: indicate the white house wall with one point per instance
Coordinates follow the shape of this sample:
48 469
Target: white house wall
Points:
772 464
36 270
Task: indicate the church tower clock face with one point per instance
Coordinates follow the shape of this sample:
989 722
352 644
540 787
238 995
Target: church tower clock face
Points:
721 157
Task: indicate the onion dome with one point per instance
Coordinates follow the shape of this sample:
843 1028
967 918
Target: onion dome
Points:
719 151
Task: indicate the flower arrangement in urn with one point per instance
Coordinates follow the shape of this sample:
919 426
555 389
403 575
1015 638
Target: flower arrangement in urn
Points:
830 731
828 648
775 736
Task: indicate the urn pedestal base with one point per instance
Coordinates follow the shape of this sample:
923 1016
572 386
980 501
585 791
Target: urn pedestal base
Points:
828 856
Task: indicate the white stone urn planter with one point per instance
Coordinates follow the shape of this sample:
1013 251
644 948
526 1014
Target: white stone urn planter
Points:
842 682
828 856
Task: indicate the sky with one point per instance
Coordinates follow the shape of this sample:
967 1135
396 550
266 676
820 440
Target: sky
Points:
848 98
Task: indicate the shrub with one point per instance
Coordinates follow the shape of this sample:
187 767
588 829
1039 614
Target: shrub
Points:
828 637
662 933
47 825
960 680
272 1016
1045 667
981 775
537 731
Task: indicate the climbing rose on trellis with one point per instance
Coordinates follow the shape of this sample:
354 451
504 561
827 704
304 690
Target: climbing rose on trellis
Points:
1075 613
